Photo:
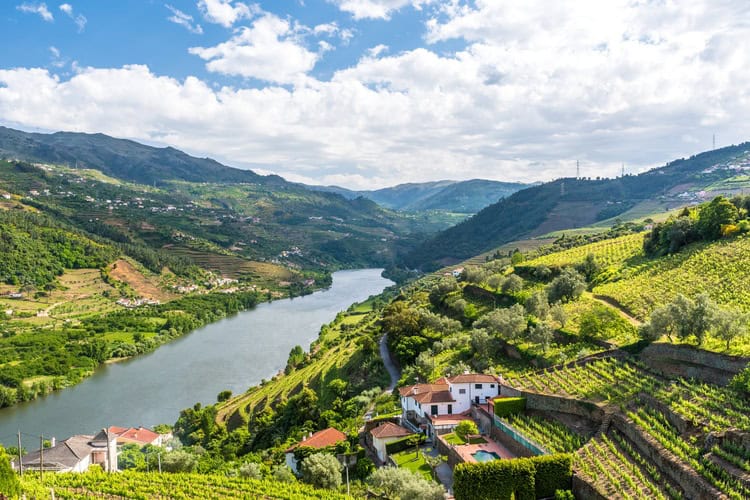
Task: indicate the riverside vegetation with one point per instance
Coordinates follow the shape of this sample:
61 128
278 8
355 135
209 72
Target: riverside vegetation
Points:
570 321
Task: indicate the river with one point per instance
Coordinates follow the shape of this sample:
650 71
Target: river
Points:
234 353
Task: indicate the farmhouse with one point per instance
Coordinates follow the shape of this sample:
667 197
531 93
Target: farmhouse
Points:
75 454
427 404
140 436
319 441
385 433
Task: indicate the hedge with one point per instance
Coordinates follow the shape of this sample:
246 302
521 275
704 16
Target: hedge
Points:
403 444
518 478
496 480
509 406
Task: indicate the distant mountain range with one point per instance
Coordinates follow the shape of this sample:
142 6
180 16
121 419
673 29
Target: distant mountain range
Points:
466 197
574 203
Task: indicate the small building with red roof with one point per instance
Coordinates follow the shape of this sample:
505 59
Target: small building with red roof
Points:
319 440
140 436
385 433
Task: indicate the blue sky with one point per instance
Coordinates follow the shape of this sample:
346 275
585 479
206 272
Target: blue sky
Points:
368 93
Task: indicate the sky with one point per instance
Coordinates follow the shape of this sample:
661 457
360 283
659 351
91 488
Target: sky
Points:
371 93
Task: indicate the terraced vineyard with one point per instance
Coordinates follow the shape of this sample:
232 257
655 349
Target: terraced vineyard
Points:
691 453
552 436
606 379
707 406
611 252
141 485
700 268
617 471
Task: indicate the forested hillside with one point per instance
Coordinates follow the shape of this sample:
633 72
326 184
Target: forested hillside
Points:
570 203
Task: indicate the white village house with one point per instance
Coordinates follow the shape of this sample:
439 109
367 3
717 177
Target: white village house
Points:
75 454
425 404
385 433
320 440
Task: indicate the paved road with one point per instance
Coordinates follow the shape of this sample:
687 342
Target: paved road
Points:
393 370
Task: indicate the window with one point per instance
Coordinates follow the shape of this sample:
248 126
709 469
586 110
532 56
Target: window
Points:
433 410
492 386
450 409
477 386
462 391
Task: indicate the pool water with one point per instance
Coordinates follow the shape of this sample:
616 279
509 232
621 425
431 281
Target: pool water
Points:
485 456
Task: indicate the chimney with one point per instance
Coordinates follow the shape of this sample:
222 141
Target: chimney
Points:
466 372
414 390
53 442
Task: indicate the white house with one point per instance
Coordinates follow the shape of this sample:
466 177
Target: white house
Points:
319 440
385 433
75 454
423 403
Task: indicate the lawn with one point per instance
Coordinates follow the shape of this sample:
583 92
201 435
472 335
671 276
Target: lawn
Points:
414 462
457 440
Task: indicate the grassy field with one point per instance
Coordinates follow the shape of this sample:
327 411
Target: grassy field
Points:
414 462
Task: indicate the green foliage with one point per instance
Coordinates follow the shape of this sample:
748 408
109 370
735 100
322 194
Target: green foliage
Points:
566 287
509 406
251 470
465 428
495 480
179 461
564 495
741 382
602 322
404 443
9 484
399 483
322 471
507 323
518 478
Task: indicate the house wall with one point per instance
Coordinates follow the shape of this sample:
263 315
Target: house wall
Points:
379 445
471 392
291 462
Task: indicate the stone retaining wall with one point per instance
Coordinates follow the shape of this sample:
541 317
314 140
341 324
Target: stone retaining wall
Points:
686 361
669 465
584 491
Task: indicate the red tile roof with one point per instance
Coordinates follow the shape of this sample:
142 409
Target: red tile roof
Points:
140 435
388 430
321 439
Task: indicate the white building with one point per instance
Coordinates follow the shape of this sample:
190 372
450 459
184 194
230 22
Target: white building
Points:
385 433
75 454
321 440
423 403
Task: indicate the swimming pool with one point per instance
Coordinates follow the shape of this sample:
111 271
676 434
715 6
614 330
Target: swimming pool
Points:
485 456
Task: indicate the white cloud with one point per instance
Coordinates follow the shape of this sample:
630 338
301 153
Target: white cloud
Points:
79 19
36 8
377 50
536 87
376 9
184 20
268 50
227 12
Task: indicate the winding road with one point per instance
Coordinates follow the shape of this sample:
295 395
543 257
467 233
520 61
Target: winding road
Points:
393 370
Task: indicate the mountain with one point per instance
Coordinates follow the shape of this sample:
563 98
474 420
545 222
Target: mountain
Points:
120 158
466 197
574 203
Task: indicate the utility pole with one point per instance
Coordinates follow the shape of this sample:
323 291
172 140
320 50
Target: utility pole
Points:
20 459
41 459
108 461
158 457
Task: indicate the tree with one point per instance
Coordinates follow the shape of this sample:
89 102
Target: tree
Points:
251 470
558 314
589 268
566 287
495 281
508 323
728 325
483 348
179 461
322 471
537 305
542 334
442 289
283 474
597 322
130 456
702 315
466 428
512 284
393 482
9 484
712 217
400 320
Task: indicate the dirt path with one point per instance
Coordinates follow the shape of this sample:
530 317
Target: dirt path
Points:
610 302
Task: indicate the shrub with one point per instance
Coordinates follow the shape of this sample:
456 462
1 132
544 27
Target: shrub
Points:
393 482
509 406
403 443
519 478
465 428
9 484
322 471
